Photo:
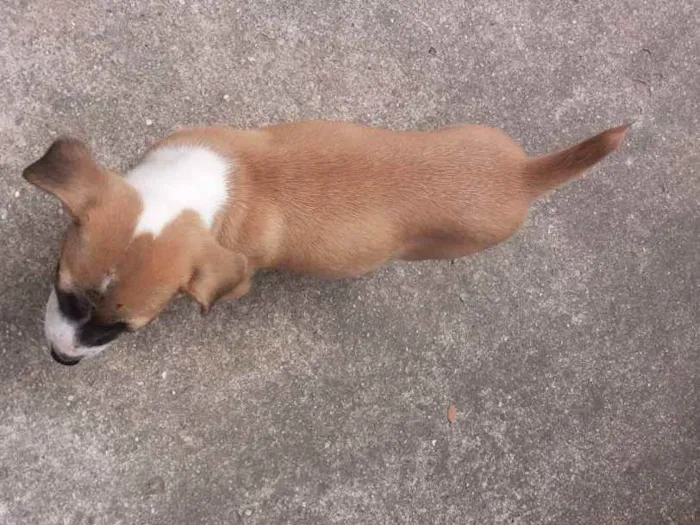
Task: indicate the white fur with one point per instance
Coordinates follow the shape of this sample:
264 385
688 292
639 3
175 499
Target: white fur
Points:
106 283
172 179
62 333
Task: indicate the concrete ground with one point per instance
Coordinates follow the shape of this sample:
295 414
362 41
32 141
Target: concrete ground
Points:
570 352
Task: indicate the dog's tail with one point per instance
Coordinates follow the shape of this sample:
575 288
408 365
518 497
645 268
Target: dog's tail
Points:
549 171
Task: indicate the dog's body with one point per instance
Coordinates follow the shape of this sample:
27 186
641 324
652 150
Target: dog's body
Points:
338 199
207 207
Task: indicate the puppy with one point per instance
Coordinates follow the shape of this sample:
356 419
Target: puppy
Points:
207 207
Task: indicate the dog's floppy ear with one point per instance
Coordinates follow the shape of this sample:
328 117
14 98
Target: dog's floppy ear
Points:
217 273
68 171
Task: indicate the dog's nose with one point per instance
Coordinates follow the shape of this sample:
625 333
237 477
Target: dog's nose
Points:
64 360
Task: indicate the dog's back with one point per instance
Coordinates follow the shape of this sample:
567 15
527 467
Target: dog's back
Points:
366 195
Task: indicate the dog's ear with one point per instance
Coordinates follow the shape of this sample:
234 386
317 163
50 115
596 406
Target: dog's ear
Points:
217 273
68 171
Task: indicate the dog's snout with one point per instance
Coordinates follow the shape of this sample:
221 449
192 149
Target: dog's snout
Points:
63 359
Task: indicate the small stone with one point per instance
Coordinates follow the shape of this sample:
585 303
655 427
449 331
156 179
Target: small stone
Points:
17 194
149 122
432 51
327 445
248 512
451 413
434 442
227 98
3 214
164 375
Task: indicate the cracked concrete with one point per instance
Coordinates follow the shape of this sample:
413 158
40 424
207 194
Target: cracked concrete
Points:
570 352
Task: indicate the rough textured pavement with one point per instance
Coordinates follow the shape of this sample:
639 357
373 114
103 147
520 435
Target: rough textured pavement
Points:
570 352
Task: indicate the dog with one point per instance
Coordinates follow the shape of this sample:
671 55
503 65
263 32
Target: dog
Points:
205 208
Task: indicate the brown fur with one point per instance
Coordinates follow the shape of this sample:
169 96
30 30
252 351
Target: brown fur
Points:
327 198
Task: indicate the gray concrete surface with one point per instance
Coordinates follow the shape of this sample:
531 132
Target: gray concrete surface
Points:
570 352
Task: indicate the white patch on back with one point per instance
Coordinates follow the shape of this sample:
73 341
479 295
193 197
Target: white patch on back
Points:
172 179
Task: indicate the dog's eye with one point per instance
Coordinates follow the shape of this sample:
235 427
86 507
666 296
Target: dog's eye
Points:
73 306
93 295
95 334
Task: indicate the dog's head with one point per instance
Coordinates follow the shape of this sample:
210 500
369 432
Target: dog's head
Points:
112 275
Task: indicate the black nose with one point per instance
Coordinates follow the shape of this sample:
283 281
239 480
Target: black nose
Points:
64 360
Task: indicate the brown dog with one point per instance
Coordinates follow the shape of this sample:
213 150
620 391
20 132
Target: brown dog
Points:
205 208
